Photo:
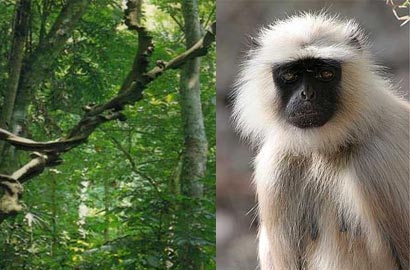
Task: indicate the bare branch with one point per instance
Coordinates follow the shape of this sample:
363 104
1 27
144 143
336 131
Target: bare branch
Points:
404 5
48 152
60 145
199 49
9 202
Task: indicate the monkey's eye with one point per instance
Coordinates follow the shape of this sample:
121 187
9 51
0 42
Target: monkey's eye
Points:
289 77
326 75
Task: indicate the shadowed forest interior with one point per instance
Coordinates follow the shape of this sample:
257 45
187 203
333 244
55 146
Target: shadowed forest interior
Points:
107 134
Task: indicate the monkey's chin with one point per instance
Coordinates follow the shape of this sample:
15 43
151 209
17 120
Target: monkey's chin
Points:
308 120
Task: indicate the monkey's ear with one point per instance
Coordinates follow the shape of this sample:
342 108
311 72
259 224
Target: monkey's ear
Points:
355 42
355 35
357 38
253 43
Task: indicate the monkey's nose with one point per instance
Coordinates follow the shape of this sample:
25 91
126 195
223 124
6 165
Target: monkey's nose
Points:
307 94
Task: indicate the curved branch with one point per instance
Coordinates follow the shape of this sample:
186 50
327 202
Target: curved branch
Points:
199 49
49 152
60 145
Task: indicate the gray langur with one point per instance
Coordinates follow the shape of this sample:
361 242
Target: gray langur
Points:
332 140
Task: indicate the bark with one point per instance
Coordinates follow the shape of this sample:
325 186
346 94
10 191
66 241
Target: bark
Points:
20 32
194 156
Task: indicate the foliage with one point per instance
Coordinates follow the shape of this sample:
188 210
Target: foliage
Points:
112 203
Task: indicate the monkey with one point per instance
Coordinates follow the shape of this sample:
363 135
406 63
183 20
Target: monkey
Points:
331 135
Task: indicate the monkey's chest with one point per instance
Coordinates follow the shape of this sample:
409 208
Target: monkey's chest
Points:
313 212
322 227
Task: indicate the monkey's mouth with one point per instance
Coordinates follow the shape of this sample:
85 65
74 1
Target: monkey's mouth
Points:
308 119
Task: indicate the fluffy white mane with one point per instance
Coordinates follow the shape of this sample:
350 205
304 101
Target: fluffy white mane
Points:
309 35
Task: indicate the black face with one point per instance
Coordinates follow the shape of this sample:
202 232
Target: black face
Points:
308 90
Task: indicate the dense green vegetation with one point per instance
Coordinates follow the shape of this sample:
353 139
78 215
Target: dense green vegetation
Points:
114 202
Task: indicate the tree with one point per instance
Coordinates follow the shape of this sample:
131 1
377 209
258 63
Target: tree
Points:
57 55
194 155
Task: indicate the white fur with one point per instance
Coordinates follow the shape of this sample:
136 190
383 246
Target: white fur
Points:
296 38
304 172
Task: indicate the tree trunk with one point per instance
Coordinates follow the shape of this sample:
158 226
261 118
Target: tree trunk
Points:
195 144
20 31
39 64
194 155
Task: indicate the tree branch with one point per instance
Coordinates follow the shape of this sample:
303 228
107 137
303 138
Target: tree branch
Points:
37 66
49 152
20 32
199 49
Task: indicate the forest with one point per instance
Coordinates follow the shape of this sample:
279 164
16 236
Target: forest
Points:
107 134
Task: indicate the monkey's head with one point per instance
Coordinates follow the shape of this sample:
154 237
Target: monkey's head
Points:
308 81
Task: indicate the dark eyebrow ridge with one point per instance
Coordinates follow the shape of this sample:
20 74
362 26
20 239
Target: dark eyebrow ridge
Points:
330 62
320 61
